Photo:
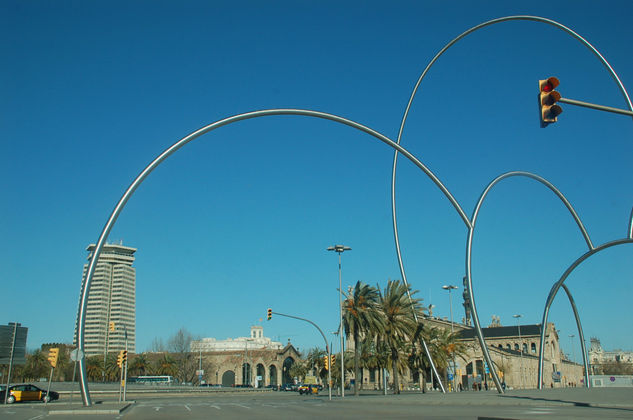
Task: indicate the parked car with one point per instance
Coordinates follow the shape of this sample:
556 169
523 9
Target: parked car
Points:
287 387
28 392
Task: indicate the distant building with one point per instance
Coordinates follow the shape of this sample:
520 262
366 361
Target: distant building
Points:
255 341
255 361
112 299
598 356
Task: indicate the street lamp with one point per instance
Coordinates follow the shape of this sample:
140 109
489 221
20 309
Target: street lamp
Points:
339 249
518 316
451 287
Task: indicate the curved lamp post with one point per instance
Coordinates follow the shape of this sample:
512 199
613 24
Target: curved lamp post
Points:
339 249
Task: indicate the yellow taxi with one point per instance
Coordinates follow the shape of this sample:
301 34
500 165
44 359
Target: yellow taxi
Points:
27 392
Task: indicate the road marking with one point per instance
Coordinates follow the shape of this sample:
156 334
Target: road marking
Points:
157 408
187 407
241 405
215 406
37 417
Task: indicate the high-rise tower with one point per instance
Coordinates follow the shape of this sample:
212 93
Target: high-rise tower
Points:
111 301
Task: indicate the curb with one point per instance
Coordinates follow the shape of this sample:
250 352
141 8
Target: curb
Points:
90 410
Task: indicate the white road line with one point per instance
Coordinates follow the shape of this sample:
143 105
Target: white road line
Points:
187 407
241 405
215 406
157 408
37 417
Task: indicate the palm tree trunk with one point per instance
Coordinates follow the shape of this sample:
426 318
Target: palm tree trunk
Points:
356 363
394 366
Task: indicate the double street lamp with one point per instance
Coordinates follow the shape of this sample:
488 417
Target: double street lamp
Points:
518 316
451 287
339 249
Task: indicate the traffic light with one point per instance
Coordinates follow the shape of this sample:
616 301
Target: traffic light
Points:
53 354
111 325
270 314
122 358
326 362
547 98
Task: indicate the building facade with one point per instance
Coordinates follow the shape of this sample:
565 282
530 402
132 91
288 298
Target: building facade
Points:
254 361
514 355
111 305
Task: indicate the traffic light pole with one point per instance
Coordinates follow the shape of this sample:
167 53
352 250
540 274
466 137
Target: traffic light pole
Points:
595 106
48 389
327 348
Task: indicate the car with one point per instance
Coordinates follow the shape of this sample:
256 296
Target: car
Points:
308 389
286 387
28 392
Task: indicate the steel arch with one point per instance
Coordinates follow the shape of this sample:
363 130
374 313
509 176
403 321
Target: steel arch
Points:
81 316
471 233
408 107
554 291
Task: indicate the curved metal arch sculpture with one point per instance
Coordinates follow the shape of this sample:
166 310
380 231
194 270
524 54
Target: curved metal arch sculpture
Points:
471 233
467 222
179 144
552 295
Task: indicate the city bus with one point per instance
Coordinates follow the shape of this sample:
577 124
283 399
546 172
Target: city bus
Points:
152 380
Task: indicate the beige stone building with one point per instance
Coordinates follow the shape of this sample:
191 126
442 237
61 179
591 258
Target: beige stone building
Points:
255 361
516 368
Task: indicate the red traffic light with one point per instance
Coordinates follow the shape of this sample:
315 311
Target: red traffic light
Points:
547 98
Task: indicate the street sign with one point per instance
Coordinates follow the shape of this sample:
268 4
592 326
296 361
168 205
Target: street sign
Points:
6 343
450 376
76 355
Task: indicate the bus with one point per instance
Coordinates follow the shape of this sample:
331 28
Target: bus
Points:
152 380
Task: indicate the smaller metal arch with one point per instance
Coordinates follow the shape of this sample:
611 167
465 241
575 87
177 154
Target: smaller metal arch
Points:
630 231
480 336
558 285
581 335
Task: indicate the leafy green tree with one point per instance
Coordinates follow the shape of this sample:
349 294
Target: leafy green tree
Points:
36 366
399 308
180 345
361 318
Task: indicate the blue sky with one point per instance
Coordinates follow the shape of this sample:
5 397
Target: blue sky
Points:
240 219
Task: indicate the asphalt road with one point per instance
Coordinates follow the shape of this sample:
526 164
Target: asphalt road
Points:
559 404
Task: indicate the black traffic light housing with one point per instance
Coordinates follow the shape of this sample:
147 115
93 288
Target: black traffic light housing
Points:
547 98
270 314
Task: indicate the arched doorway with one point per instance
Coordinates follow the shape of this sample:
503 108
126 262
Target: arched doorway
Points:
260 376
228 378
246 374
272 375
286 377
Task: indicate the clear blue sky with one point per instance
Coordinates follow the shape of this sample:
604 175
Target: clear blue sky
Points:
239 220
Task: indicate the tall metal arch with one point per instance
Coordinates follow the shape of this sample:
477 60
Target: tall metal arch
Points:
81 316
552 295
471 233
406 113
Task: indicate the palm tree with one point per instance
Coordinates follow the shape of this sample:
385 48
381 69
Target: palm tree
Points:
94 367
315 360
399 309
139 365
443 345
361 318
166 365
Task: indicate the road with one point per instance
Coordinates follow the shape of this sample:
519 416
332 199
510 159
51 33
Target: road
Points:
562 404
